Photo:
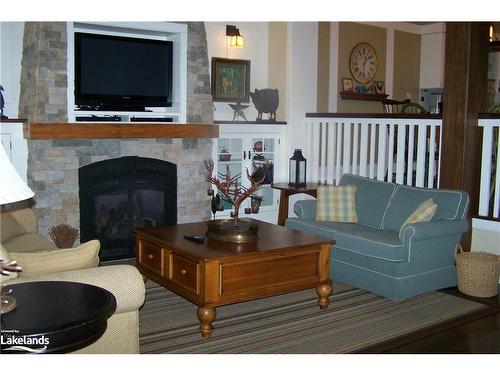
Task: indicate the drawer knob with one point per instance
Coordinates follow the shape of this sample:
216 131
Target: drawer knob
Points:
183 272
151 256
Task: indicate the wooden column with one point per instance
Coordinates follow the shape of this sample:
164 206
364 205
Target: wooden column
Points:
465 95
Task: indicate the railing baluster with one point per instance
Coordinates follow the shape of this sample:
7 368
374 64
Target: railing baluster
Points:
338 161
346 164
485 185
363 151
355 148
496 202
324 140
373 136
330 157
315 159
382 150
431 153
390 154
421 146
400 156
310 149
410 155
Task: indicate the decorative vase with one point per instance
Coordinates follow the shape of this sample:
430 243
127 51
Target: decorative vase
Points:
225 230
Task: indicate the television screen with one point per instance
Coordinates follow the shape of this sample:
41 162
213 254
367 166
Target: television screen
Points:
122 73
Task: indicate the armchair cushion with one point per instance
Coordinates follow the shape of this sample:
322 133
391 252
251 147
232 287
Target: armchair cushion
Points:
28 243
4 255
48 261
9 227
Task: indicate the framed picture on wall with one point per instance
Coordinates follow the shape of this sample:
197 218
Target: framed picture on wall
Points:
347 84
230 80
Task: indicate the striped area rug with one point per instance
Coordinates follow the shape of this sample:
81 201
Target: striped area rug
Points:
292 323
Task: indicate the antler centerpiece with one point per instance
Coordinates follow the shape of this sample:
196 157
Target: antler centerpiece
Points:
234 230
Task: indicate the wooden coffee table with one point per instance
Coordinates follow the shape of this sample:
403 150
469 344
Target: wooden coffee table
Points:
216 273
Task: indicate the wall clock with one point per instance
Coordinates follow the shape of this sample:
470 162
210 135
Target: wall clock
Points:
363 62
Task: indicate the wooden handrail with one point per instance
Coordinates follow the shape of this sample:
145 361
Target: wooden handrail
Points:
373 115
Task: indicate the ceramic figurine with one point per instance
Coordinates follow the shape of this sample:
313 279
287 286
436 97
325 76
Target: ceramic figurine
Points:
265 101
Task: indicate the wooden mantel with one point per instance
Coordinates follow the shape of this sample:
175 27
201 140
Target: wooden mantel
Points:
51 130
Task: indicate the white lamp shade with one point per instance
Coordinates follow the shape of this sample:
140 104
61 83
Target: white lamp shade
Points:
12 187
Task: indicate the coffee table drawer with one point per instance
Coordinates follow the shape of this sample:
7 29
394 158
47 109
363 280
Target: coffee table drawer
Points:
185 272
153 257
264 272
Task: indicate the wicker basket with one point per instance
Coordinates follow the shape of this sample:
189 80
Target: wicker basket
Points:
477 273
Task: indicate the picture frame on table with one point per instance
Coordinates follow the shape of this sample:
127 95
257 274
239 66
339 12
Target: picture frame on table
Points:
230 80
347 85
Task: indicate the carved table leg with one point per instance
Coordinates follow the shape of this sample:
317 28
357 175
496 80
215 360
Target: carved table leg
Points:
324 292
206 316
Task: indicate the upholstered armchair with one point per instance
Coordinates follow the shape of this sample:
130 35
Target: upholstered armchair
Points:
43 261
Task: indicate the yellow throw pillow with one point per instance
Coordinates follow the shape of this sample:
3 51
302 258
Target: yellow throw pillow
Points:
337 203
37 263
423 213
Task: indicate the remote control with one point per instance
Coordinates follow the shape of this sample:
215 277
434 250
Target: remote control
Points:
195 237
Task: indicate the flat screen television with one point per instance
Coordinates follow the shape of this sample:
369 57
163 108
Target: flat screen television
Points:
121 73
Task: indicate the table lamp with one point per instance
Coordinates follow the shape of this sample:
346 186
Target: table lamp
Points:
12 189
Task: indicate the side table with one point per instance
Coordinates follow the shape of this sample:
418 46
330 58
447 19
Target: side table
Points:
55 317
285 192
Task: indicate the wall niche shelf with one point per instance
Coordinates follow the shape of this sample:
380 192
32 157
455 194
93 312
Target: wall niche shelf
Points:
363 96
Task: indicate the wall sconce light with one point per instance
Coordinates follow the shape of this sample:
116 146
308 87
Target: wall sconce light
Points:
494 42
235 38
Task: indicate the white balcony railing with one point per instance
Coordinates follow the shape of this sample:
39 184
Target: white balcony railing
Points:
398 148
489 191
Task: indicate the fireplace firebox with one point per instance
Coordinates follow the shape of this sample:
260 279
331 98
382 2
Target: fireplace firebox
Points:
118 195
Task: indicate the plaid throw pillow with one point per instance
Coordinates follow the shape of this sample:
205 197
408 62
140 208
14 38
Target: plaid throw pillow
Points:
337 203
422 214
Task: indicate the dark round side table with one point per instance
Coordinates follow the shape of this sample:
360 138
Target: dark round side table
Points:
55 317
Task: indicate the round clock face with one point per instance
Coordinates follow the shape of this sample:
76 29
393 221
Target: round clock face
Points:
363 62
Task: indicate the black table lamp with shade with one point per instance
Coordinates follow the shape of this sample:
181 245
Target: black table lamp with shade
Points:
297 169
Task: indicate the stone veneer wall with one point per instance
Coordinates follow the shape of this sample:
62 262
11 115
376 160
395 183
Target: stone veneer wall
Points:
53 164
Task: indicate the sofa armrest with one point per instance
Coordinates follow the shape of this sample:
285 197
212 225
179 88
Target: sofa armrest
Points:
433 229
305 209
124 281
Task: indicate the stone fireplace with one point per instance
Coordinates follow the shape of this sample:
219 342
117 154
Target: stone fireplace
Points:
54 166
54 163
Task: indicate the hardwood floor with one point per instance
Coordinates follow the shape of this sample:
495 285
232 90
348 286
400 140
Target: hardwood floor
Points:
480 336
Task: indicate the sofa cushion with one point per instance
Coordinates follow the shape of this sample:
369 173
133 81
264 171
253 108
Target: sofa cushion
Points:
337 203
451 205
9 227
28 242
357 238
422 214
372 198
43 262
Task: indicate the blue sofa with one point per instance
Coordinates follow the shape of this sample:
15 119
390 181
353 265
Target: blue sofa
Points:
370 254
